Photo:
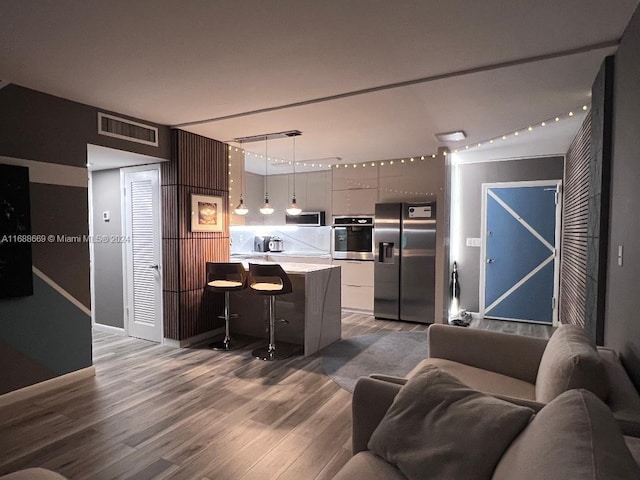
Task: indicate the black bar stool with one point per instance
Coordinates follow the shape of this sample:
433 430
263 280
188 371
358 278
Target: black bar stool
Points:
226 278
270 280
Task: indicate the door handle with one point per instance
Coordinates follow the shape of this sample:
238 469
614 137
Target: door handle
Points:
489 260
155 267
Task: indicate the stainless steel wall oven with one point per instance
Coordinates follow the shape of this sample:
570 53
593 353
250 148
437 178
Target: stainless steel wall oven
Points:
352 238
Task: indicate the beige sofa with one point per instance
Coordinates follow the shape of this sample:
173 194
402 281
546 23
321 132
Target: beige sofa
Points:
33 474
532 371
574 436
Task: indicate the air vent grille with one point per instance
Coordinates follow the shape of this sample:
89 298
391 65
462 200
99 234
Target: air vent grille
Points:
127 130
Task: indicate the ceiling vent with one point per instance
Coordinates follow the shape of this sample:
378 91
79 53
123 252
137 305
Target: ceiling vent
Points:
268 136
456 136
127 130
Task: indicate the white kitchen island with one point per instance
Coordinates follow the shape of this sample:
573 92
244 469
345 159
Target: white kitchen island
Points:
311 313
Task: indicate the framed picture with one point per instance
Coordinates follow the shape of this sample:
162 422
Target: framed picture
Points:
207 213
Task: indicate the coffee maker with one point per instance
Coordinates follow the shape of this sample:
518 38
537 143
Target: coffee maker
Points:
261 243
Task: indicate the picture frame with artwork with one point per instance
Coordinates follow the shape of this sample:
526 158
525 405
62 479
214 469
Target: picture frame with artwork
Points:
207 213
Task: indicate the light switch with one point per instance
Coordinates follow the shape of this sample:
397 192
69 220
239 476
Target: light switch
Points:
619 255
474 242
106 216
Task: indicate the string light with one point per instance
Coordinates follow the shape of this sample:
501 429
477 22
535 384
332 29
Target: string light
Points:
491 141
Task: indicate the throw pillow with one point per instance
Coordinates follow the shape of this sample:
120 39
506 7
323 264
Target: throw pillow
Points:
438 428
570 361
574 436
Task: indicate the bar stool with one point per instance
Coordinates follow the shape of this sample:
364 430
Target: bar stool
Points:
270 280
226 278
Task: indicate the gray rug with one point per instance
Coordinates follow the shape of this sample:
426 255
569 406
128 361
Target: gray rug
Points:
390 353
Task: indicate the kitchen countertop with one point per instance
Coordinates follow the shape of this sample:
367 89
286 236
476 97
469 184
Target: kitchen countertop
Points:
294 267
287 253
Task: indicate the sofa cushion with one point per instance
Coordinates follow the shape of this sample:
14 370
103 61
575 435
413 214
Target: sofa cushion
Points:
482 380
570 361
367 466
574 436
438 426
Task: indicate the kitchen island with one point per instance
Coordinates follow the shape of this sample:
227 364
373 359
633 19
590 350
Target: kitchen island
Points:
311 313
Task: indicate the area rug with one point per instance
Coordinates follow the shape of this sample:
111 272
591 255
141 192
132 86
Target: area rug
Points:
389 353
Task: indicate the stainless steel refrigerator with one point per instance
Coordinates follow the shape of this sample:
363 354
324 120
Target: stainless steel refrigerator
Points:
405 261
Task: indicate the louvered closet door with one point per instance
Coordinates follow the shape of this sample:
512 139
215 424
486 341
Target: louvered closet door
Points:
143 254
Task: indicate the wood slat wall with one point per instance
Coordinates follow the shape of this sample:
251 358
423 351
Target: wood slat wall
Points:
198 166
575 217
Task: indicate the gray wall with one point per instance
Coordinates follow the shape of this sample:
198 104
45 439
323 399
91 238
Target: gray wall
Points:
108 276
46 335
622 324
471 178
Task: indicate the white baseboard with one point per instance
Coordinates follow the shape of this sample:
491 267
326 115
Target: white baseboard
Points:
187 342
46 386
109 329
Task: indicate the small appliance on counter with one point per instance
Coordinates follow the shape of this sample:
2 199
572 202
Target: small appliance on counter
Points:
261 243
276 244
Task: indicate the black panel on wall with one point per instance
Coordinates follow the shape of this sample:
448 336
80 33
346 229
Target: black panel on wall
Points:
15 227
599 200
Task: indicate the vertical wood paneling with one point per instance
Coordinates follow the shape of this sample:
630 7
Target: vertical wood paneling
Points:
575 215
199 166
170 265
170 303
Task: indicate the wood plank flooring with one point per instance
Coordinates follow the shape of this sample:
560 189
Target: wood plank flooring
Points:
156 412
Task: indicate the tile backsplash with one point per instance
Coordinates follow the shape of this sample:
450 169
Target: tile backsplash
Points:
298 240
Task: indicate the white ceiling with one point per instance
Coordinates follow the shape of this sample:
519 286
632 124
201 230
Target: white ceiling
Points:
180 62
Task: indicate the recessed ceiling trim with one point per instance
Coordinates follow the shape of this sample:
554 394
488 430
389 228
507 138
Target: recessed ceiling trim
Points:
407 83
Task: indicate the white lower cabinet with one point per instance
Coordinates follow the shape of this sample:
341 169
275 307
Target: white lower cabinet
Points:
357 284
284 258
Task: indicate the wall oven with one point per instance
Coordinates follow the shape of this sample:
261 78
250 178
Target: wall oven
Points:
352 238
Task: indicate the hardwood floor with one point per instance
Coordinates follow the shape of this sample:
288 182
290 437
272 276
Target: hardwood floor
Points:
156 412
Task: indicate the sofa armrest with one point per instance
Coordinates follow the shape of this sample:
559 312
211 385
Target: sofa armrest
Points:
516 356
371 400
389 378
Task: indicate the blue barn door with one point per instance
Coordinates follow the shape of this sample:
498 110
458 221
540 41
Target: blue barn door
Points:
521 225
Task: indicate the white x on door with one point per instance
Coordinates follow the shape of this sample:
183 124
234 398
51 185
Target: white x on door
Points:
521 225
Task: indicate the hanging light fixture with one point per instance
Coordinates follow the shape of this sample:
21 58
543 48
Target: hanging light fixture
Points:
293 209
266 209
241 209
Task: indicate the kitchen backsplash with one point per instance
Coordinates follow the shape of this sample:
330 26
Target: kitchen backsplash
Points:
298 240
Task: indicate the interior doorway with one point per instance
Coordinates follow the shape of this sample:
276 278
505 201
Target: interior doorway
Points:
114 284
520 251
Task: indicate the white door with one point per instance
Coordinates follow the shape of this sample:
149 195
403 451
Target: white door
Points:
143 254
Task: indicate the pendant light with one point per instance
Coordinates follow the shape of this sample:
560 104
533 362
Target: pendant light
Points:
241 209
293 208
266 209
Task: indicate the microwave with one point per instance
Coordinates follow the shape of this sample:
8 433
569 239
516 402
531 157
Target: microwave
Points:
306 219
